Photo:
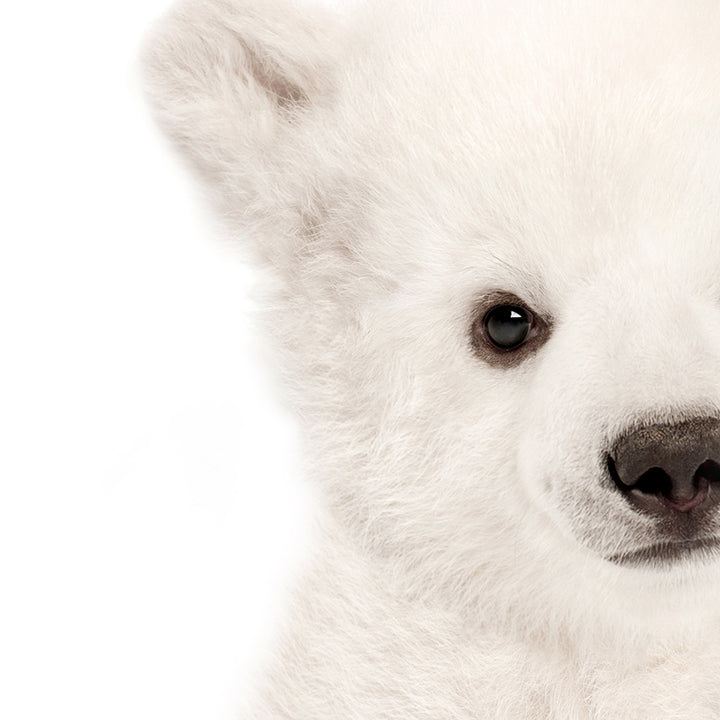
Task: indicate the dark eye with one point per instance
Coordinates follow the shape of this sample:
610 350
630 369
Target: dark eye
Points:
508 326
505 331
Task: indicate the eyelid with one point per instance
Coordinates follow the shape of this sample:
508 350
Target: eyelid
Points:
504 297
528 298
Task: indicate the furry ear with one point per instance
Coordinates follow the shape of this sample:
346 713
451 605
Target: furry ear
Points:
230 78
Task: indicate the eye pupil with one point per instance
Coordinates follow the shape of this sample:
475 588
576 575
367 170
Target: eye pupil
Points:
508 326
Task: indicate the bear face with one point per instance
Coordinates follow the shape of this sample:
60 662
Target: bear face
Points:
428 177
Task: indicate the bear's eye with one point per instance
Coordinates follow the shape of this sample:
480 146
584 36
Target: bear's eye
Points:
508 326
505 331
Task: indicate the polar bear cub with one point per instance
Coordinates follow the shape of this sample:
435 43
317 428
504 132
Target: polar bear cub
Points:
494 232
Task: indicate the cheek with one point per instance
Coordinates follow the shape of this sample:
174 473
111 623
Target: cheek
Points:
561 461
562 429
451 425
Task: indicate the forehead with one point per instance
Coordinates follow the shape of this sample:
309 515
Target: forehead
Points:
584 130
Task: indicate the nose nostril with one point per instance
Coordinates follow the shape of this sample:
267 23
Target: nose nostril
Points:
654 481
710 471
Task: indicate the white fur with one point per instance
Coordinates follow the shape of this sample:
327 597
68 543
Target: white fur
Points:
391 167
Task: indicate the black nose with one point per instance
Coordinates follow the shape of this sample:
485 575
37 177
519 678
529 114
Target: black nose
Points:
667 469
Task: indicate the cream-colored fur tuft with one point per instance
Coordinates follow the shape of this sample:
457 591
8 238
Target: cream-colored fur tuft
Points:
395 169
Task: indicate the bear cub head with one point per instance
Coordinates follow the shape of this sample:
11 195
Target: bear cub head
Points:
494 232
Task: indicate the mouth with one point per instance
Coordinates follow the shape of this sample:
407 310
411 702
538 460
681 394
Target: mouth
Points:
663 554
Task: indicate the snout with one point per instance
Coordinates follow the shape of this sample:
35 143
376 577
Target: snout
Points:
671 472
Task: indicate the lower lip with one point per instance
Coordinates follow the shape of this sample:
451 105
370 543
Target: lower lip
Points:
664 554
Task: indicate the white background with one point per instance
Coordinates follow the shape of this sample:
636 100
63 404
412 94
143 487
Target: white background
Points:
151 509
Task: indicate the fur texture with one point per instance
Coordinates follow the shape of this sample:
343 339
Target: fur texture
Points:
394 168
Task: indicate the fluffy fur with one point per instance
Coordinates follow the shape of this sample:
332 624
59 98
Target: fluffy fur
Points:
392 168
